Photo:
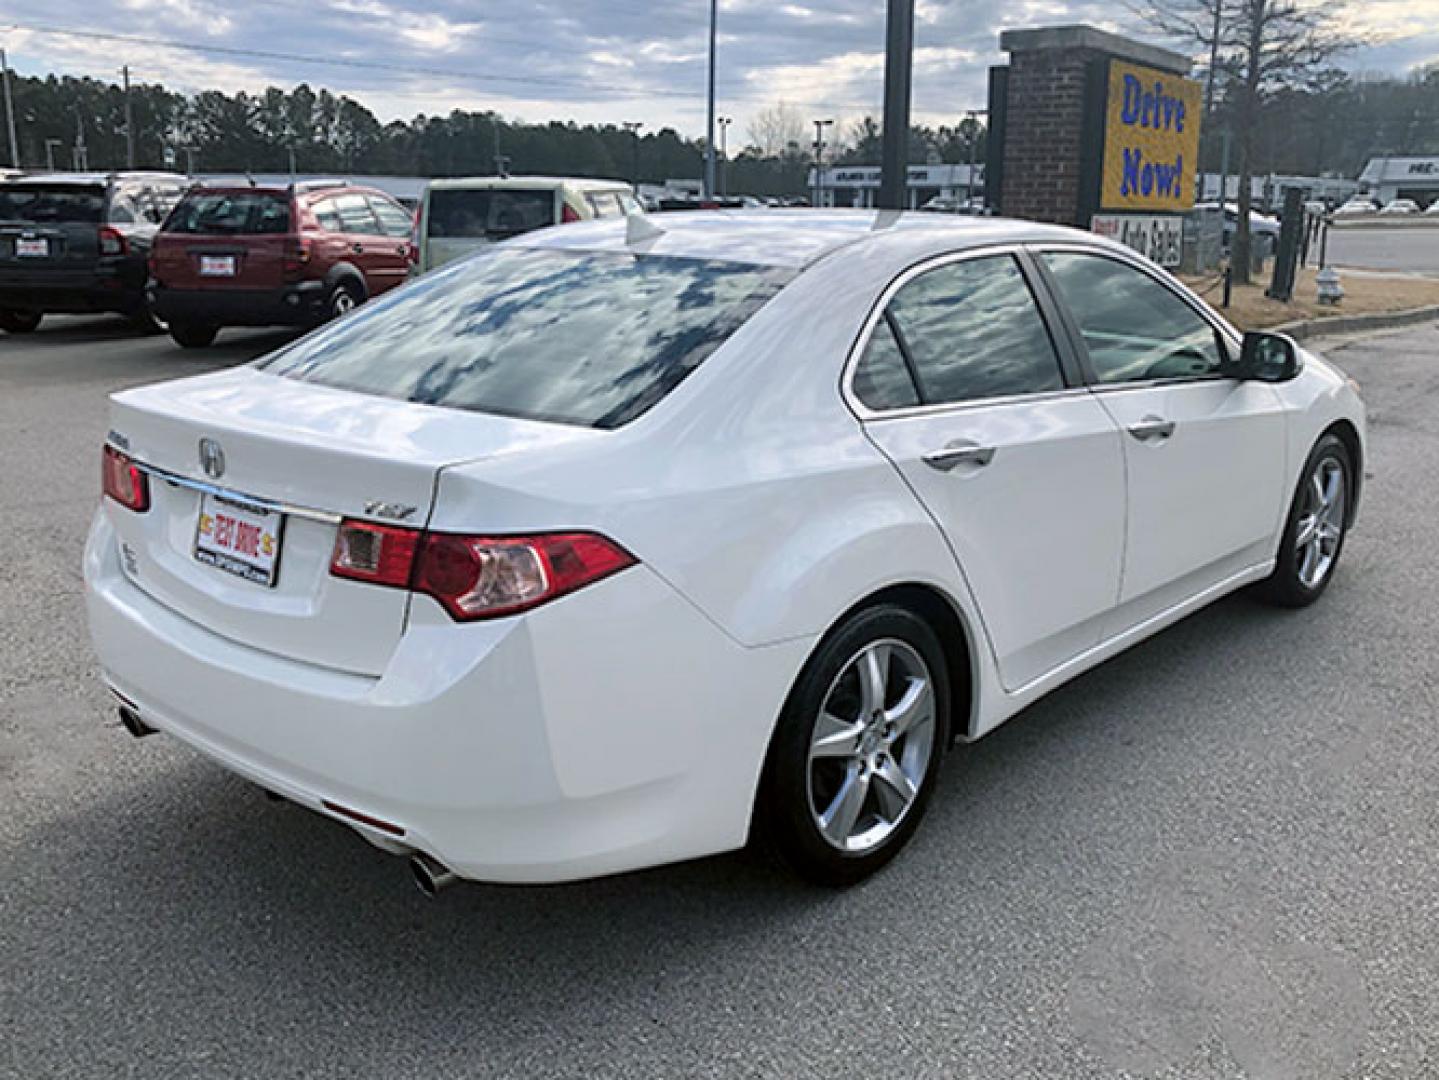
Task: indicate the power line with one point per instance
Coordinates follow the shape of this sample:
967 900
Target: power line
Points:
389 68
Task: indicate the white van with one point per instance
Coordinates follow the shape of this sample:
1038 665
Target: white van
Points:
458 216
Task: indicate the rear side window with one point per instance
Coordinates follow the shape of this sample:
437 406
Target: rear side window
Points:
226 213
604 204
57 205
882 379
489 213
973 331
328 216
581 338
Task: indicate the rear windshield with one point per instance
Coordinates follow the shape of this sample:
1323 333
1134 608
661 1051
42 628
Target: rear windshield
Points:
231 213
579 338
57 205
489 213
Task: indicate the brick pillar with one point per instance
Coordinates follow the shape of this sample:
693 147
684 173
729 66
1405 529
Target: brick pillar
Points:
1048 126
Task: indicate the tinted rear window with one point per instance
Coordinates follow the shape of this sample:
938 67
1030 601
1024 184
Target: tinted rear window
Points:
58 205
580 338
487 213
221 213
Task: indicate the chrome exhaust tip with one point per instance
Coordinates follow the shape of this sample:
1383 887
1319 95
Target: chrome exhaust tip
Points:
131 722
431 875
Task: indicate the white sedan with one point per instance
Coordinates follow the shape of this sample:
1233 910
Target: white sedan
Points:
618 544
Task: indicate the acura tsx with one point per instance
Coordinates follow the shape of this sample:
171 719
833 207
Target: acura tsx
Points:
623 542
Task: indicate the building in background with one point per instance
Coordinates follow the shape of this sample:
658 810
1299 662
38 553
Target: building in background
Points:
858 185
1388 178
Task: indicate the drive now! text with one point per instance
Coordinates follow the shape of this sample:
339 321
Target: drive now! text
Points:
1154 109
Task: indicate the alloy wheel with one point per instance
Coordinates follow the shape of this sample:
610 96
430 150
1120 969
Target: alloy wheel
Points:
1321 523
871 745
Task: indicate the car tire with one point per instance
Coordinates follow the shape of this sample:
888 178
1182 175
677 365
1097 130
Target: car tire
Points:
20 322
193 335
143 321
1315 530
855 755
343 299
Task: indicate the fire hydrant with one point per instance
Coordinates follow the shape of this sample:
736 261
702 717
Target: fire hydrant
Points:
1330 291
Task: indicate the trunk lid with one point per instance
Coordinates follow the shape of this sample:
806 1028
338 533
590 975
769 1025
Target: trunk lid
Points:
321 454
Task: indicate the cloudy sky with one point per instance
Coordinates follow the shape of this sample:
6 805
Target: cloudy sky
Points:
588 60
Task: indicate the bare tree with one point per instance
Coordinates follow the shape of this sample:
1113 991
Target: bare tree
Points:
1254 48
775 129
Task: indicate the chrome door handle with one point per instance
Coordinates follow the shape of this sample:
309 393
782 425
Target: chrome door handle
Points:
1152 427
957 454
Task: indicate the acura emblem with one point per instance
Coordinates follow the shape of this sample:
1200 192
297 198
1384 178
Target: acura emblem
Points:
212 459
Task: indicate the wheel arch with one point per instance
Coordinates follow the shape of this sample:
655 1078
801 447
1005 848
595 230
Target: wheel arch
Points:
956 637
349 274
1348 434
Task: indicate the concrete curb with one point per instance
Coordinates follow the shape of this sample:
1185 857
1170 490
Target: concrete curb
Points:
1308 329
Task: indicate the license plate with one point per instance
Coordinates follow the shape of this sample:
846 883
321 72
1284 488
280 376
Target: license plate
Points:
217 266
32 249
239 538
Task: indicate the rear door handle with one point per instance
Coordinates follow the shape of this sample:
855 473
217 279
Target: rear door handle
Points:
956 454
1152 427
358 249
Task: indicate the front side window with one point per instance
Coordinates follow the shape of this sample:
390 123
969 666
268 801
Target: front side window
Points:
392 217
972 331
574 337
355 216
1134 329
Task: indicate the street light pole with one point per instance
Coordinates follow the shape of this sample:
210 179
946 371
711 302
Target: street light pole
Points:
898 72
724 123
50 145
709 186
819 126
9 112
130 121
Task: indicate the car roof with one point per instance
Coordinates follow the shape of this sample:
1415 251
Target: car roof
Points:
93 178
794 238
549 183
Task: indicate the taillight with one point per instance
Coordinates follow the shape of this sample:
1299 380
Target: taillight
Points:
295 258
112 241
476 577
380 554
569 213
122 480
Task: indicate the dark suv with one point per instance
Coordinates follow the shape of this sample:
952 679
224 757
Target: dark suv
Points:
77 243
275 256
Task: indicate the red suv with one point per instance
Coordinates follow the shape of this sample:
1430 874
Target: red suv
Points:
268 256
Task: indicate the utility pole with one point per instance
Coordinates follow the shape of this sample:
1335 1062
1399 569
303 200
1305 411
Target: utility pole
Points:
898 72
819 126
633 127
129 120
9 112
973 142
1209 102
724 123
50 145
502 163
80 154
709 186
291 149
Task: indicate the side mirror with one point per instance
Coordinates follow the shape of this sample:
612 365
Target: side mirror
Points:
1265 357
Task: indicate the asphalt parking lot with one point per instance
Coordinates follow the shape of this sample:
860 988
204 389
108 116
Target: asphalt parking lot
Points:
1212 857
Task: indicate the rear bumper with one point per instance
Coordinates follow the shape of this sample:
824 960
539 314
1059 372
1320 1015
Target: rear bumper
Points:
614 729
112 287
300 304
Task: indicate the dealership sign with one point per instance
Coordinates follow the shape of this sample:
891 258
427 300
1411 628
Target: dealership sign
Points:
1158 237
1151 139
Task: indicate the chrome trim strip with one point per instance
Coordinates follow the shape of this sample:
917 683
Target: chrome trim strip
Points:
323 516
